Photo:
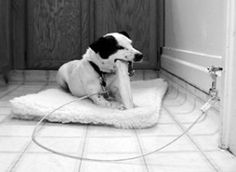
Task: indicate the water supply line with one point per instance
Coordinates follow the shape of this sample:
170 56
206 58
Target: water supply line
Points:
213 93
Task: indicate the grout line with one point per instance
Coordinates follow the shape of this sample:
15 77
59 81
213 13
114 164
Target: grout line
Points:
119 153
175 95
43 87
9 92
189 111
212 164
13 165
141 150
105 137
180 103
83 147
5 119
12 90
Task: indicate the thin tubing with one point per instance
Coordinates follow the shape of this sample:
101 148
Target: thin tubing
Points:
36 129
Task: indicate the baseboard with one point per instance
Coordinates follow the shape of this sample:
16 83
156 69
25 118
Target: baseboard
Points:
190 66
4 70
2 80
50 75
186 87
32 76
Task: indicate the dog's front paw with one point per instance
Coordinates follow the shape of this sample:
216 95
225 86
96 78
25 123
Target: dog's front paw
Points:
117 105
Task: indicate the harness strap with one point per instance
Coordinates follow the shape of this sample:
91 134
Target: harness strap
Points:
100 73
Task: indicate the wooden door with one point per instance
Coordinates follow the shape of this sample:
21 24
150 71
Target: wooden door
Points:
4 38
48 33
58 31
138 18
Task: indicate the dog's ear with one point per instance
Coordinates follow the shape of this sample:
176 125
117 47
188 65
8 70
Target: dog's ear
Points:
125 34
105 46
96 45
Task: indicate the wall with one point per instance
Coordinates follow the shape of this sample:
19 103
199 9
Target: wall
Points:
228 129
199 34
194 39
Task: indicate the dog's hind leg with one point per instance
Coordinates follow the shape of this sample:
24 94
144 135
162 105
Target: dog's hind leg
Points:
61 81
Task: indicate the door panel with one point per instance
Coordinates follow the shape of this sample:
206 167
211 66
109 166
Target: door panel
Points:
55 32
138 18
60 30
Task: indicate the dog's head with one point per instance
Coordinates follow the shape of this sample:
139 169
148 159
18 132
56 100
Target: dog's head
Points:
115 46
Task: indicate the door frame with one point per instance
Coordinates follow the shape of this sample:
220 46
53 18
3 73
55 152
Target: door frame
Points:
229 82
18 33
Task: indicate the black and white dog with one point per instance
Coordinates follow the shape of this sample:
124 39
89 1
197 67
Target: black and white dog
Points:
90 74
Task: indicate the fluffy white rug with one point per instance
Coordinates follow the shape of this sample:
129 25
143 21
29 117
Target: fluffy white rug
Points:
147 96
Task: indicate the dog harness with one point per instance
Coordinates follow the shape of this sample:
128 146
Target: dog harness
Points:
102 79
100 73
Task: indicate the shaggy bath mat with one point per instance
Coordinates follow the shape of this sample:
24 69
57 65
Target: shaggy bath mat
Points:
147 96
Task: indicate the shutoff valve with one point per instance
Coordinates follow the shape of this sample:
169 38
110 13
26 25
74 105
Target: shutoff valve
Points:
214 72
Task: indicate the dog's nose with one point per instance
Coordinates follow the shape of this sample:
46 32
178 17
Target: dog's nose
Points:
138 57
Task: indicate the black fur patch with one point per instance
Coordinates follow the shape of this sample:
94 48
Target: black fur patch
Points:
125 33
105 46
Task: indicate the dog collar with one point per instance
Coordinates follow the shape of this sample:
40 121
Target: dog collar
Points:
100 73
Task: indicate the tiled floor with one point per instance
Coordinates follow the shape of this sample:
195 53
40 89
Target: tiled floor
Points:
195 152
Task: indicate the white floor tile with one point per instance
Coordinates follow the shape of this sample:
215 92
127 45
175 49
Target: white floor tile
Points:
184 112
181 102
5 90
11 130
225 161
13 144
6 159
5 103
3 117
178 162
205 127
22 90
112 145
207 142
100 131
5 110
32 162
160 130
152 143
176 100
62 130
129 166
111 167
165 118
64 145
